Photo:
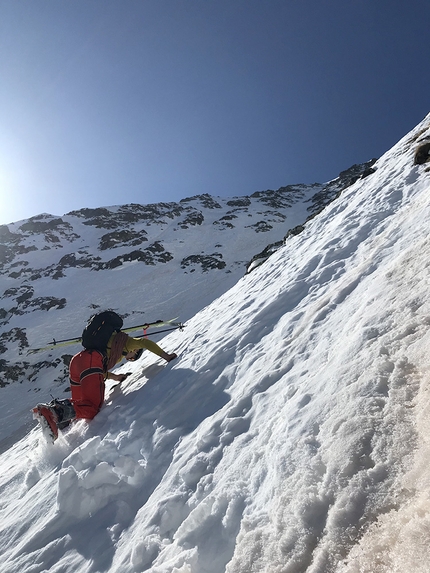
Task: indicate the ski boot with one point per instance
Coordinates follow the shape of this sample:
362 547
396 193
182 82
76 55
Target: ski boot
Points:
54 416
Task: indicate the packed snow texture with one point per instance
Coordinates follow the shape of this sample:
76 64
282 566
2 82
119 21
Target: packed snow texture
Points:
290 436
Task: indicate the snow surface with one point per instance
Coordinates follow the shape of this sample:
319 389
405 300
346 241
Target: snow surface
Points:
290 436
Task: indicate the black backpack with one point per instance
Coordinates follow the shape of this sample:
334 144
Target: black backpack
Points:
99 329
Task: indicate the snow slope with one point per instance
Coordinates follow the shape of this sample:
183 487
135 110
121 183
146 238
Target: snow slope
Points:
291 434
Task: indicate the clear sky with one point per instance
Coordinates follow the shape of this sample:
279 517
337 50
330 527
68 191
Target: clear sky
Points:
104 102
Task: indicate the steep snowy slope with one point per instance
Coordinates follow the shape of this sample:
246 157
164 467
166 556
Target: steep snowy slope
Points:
289 429
148 262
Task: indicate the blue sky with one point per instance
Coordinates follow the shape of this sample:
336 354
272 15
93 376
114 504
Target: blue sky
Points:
106 102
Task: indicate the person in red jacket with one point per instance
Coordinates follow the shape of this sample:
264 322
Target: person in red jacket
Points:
90 368
88 372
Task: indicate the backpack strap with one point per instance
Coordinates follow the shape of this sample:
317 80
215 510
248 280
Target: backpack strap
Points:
90 371
86 363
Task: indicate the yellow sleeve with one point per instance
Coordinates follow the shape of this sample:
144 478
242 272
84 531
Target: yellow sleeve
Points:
137 343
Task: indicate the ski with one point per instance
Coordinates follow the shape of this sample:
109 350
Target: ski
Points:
156 324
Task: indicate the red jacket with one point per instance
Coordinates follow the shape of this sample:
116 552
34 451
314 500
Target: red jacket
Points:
87 381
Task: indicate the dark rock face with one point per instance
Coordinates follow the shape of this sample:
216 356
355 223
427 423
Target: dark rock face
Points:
126 237
239 202
127 215
225 222
36 225
90 213
283 197
14 335
205 262
23 301
368 171
54 229
152 255
261 227
333 189
8 253
192 219
295 231
6 237
206 200
422 153
12 372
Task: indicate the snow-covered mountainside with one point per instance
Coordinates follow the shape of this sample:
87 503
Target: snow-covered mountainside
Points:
148 262
290 435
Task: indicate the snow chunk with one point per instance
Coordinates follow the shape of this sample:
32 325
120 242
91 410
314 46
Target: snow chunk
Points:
94 475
